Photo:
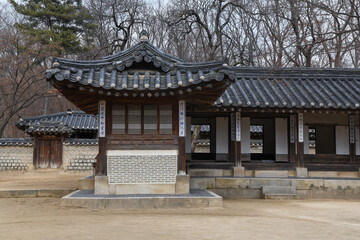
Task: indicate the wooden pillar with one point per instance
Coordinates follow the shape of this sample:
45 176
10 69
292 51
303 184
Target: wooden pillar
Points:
232 137
292 129
352 141
101 160
182 136
300 146
238 139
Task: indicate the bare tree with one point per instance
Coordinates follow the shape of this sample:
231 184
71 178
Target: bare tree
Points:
115 21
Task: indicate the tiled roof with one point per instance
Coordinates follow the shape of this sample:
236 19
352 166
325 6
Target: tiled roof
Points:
77 121
293 88
145 71
158 71
49 128
16 141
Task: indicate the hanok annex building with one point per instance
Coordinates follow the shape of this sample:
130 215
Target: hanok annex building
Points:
161 118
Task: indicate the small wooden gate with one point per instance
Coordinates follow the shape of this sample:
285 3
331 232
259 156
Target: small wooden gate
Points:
48 152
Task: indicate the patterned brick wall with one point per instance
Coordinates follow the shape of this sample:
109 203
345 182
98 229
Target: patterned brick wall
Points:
16 158
155 167
79 158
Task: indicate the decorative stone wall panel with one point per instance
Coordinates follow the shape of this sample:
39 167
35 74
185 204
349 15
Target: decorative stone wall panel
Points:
133 168
79 158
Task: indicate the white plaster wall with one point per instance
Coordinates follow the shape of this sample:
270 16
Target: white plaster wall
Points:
188 135
281 136
342 139
306 139
245 135
357 140
222 132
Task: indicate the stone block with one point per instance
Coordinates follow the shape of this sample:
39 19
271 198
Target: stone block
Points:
206 172
306 184
86 183
54 193
335 184
145 188
333 174
232 183
202 183
238 193
182 185
268 190
249 173
101 185
83 202
271 173
258 183
227 172
301 172
239 172
18 193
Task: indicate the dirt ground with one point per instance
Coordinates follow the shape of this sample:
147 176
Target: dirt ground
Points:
41 179
43 218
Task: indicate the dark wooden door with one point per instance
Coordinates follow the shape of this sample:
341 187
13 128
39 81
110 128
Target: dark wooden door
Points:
47 152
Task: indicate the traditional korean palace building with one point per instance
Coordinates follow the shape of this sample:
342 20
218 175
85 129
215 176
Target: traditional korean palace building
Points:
160 116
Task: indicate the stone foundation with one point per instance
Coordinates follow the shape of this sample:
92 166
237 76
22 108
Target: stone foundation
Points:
250 188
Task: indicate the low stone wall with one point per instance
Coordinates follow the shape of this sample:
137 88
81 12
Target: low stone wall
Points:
79 157
250 188
16 154
18 158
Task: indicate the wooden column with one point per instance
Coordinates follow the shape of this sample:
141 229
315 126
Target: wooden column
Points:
300 146
238 139
101 160
292 130
232 138
182 135
352 146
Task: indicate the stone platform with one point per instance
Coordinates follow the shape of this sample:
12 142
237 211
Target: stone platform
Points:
304 188
195 199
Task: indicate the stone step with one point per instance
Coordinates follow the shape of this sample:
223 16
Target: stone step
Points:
282 197
279 192
210 172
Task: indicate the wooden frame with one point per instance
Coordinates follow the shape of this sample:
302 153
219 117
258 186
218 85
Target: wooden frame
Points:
206 121
142 120
115 141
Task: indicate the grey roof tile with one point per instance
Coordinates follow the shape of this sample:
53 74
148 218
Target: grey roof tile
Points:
58 122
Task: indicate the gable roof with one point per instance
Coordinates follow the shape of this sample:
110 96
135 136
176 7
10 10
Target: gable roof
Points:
293 88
